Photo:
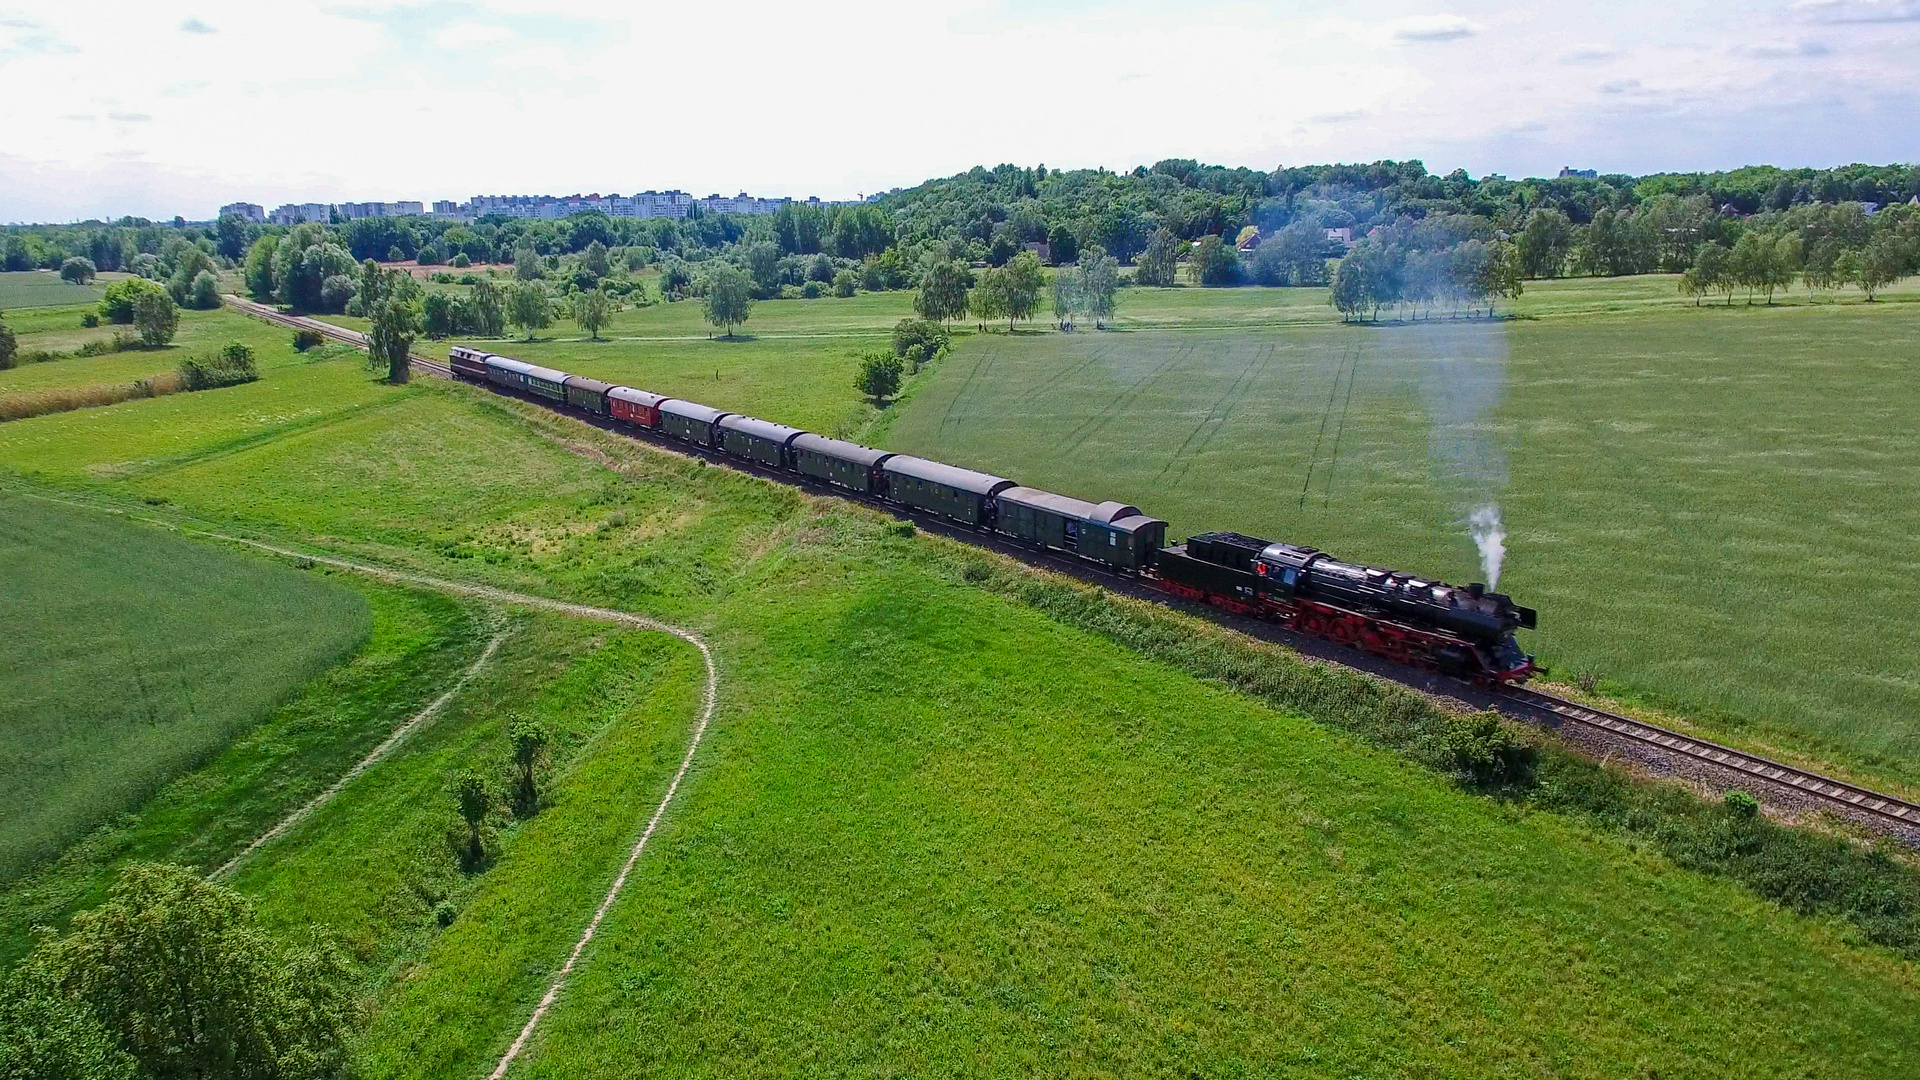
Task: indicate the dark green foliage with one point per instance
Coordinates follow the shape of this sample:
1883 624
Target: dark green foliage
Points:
77 270
307 339
9 345
1160 260
943 291
1215 262
532 744
729 297
117 304
205 294
473 798
1063 245
232 366
177 974
844 283
46 1036
921 341
879 376
90 319
156 317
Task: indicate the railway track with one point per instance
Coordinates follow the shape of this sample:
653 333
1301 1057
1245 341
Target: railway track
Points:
1864 805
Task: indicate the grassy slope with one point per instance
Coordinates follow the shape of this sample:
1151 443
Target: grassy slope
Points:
200 333
134 656
938 833
1710 508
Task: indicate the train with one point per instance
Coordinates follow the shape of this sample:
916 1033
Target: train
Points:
1466 632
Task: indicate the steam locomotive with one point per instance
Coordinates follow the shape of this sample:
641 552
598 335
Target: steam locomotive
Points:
1465 632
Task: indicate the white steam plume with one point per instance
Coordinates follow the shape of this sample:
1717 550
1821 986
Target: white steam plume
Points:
1491 538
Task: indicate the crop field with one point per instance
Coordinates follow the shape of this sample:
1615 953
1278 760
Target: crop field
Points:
933 830
200 332
133 657
1713 510
44 288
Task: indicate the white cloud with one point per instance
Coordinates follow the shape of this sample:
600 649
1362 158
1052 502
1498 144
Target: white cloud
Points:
1428 28
470 35
195 26
1860 11
1784 50
1583 55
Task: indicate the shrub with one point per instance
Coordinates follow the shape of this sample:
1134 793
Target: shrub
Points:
9 345
789 292
232 366
879 376
155 316
919 341
429 255
812 290
117 343
77 271
307 339
460 261
335 293
117 305
90 320
206 291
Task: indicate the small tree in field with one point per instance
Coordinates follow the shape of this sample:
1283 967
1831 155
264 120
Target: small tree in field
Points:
396 323
879 376
529 308
1024 280
729 298
592 310
531 741
943 292
77 271
474 798
155 317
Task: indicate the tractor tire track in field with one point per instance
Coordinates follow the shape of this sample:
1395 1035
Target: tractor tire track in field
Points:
1215 417
978 366
1094 356
708 699
398 736
1095 424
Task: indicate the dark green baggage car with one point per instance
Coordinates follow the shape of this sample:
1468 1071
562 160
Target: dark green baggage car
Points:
689 422
1110 532
588 394
840 463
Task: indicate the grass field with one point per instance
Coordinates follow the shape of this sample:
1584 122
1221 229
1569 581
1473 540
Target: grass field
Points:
1711 509
43 288
933 831
132 657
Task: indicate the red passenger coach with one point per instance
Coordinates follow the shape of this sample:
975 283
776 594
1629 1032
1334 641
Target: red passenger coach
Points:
635 406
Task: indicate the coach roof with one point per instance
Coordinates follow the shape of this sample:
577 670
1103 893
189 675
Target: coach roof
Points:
935 473
639 397
1063 505
584 383
763 429
841 450
691 410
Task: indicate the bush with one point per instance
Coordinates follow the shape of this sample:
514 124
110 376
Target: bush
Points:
879 376
789 292
307 339
206 291
844 283
90 320
117 343
919 341
77 271
9 346
117 305
460 261
335 293
155 316
813 290
429 255
232 366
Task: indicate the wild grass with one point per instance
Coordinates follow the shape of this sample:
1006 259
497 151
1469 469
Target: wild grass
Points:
20 406
1711 509
133 657
44 288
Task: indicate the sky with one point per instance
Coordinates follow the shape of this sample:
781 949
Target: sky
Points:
160 108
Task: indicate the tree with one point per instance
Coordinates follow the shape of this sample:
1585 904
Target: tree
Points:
1066 298
879 376
1157 264
474 798
1544 243
529 307
763 262
178 973
729 297
46 1036
943 292
9 345
531 742
258 271
1024 280
592 310
77 271
527 264
988 300
845 283
595 260
489 309
919 342
396 321
1063 244
230 234
205 295
439 315
1098 279
1349 290
155 317
1215 263
336 292
1882 262
1505 274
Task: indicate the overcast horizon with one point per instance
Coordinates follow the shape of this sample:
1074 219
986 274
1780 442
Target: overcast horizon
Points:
164 109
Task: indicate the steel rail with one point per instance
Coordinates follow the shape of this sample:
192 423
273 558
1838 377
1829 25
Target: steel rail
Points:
1535 704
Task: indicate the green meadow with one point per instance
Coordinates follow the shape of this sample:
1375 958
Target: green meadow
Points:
44 288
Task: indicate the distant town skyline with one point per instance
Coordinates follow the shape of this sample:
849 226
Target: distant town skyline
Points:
177 108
